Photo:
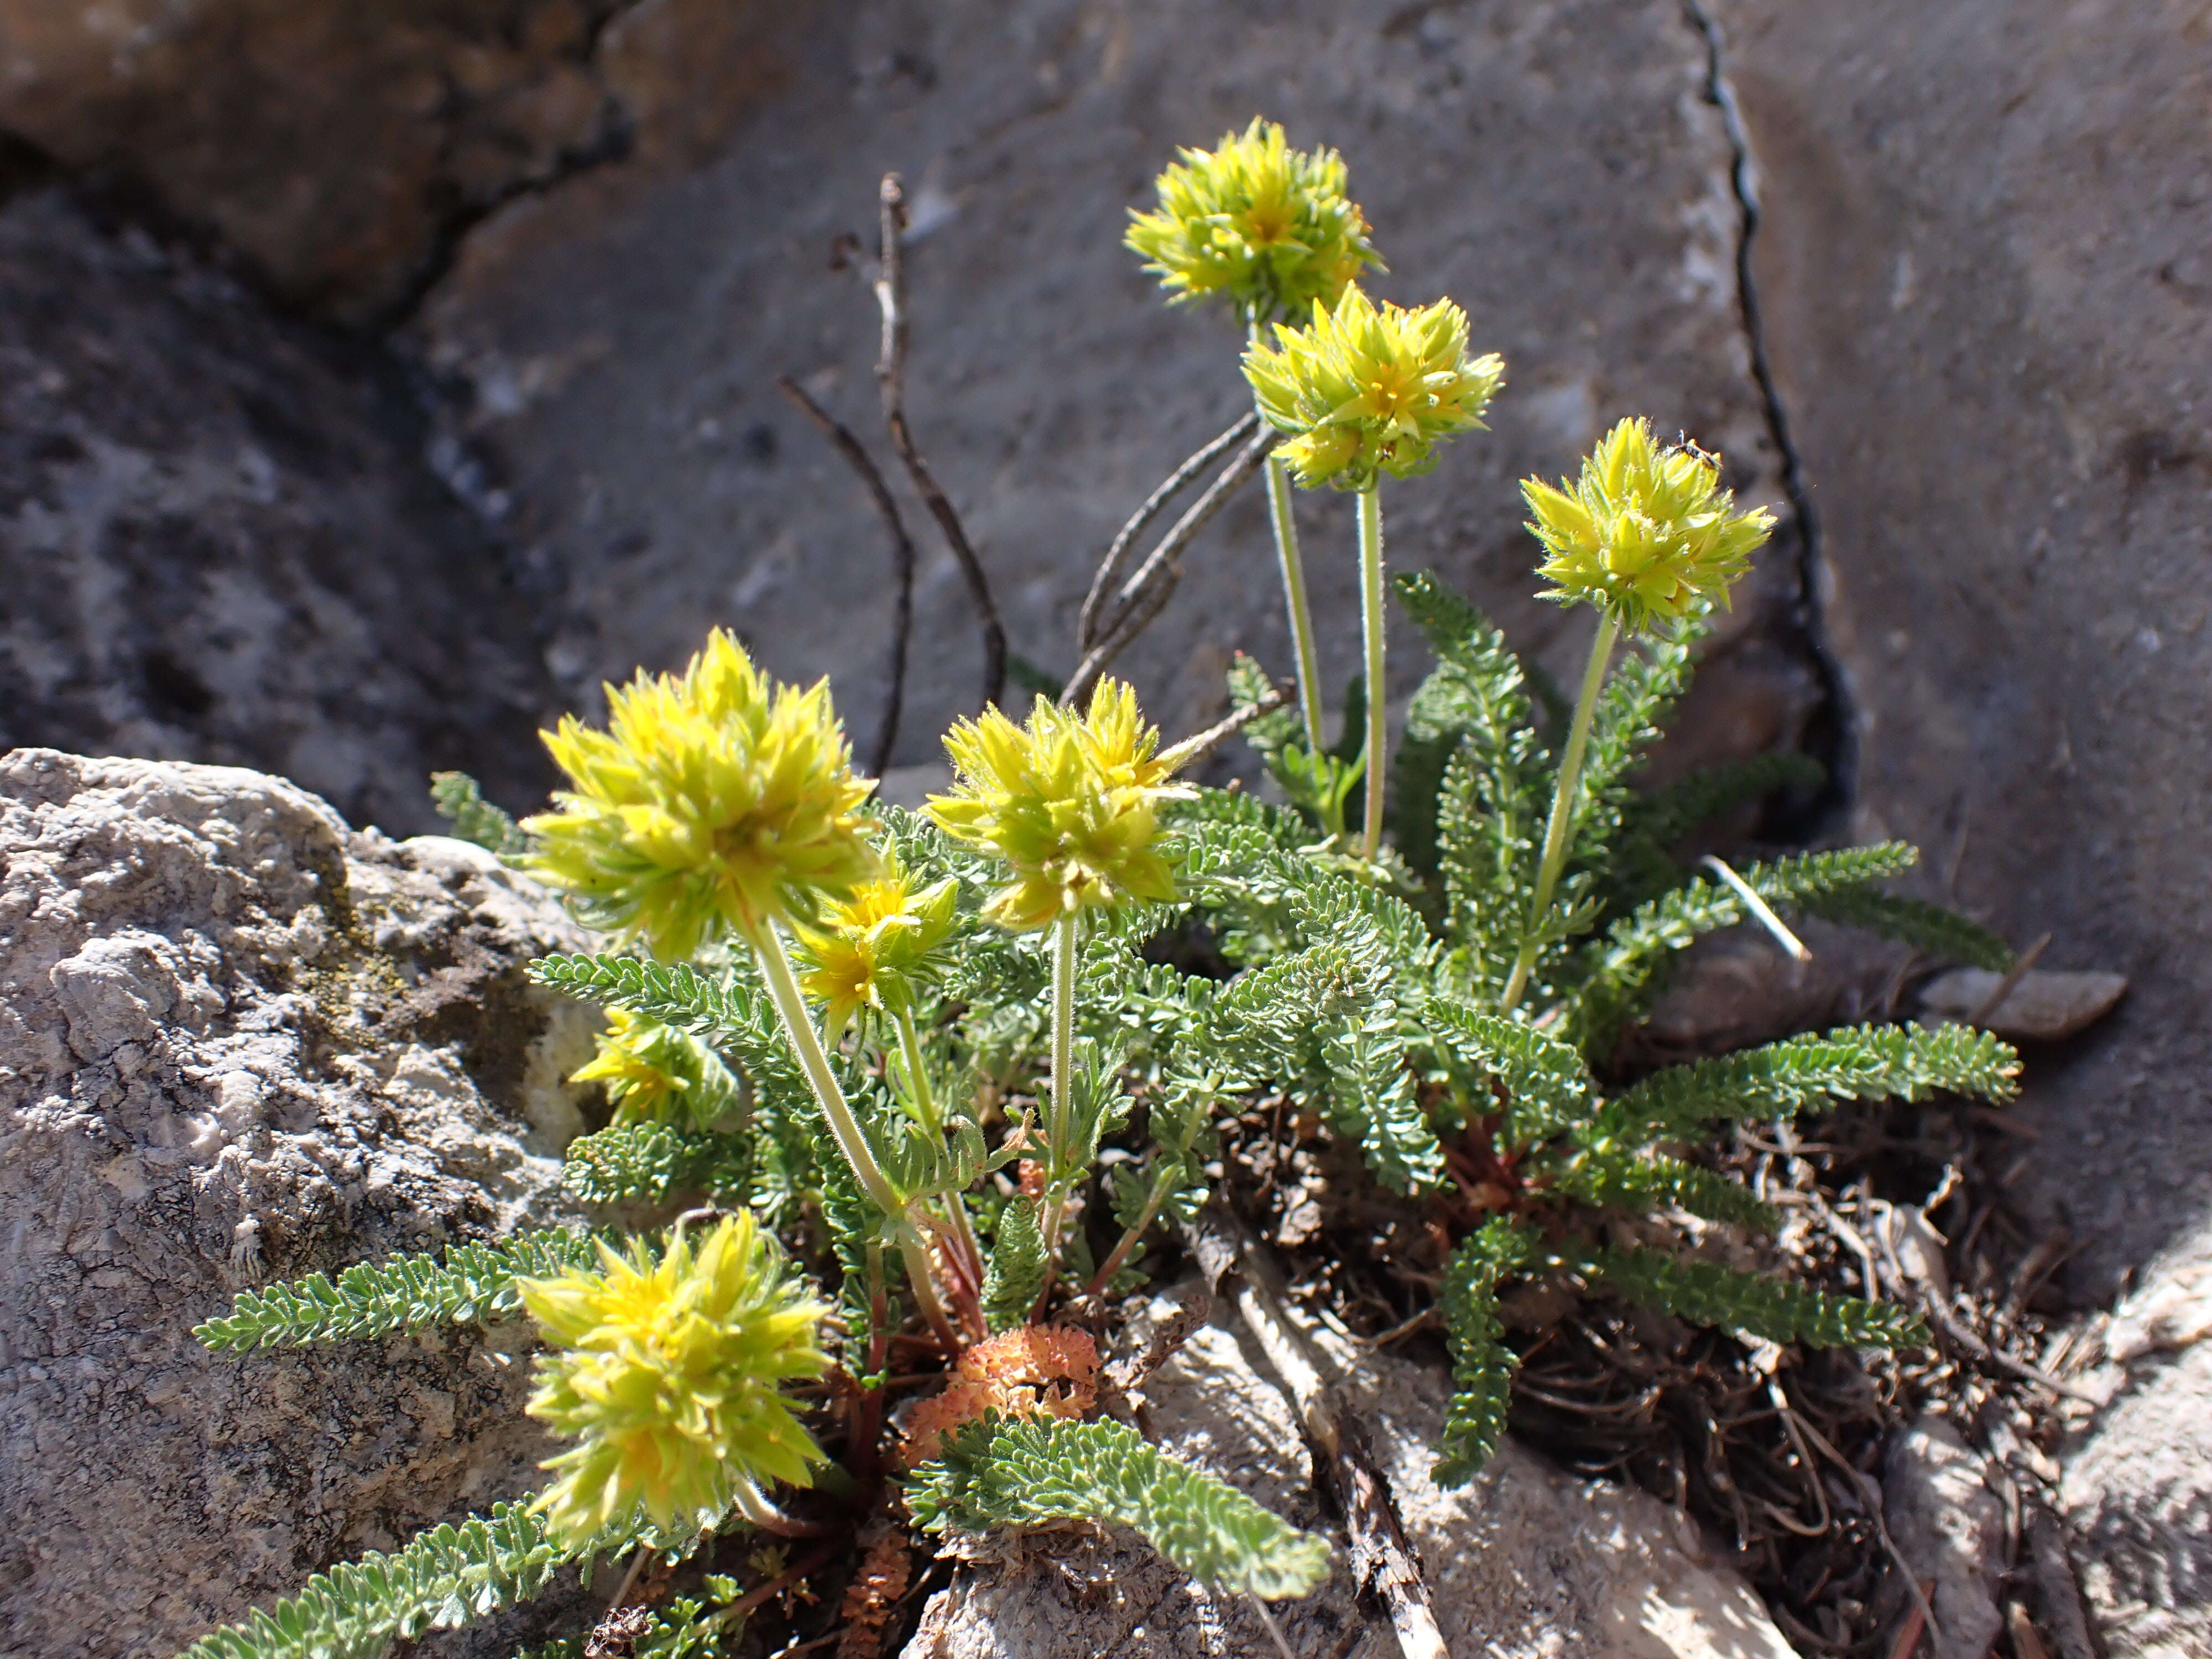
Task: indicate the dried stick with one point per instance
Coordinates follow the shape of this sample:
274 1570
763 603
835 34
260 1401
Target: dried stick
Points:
902 564
890 377
1086 627
1383 1559
1146 594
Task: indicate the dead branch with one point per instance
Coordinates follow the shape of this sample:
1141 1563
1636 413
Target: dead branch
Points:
890 377
1383 1559
1086 627
902 564
1146 594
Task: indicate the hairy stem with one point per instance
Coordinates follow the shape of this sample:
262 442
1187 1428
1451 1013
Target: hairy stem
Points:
1294 599
799 1028
1060 1118
1563 806
914 1250
1285 527
1371 623
926 1107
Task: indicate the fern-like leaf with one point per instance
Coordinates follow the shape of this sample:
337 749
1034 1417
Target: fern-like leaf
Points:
1706 1294
1482 1365
1859 1062
1672 812
472 1282
444 1579
459 800
1547 1083
1924 926
1028 1472
1640 1185
649 1162
1016 1277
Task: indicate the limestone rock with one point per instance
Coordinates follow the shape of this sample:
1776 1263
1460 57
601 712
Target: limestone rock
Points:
335 146
1950 1526
1554 166
2043 1006
1525 1561
2138 1482
1983 270
243 1043
222 543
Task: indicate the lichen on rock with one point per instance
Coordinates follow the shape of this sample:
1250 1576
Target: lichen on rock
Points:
239 1041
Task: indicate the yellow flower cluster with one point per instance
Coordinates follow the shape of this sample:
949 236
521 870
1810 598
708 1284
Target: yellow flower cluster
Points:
1068 801
655 1073
1647 531
1268 226
1365 388
667 1376
872 950
716 802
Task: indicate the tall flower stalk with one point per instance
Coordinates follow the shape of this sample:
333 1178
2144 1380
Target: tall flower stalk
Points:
1068 804
1648 536
1361 390
1270 230
718 803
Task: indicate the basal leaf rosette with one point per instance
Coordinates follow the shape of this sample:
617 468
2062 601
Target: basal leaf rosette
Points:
654 1073
1268 227
873 949
716 802
1646 532
668 1376
1069 802
1366 389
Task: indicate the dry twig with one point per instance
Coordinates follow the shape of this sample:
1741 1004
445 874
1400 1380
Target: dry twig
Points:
902 564
1146 594
890 377
1086 627
1382 1560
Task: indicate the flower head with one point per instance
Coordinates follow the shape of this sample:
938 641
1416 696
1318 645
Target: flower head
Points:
1267 225
1647 532
1364 389
872 950
1068 800
655 1073
716 801
667 1374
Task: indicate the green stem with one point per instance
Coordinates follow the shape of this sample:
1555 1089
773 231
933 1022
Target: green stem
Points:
1563 805
1285 525
915 1249
917 1080
1294 599
1371 623
798 1028
1060 1118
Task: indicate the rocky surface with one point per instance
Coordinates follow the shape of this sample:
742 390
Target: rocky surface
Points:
1983 270
1950 1526
2138 1482
243 1043
336 147
222 543
1525 1563
617 340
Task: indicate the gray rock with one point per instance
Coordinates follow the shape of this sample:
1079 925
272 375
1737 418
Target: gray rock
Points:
222 543
2137 1488
243 1043
2041 1007
1554 166
1983 273
1950 1527
336 148
1524 1562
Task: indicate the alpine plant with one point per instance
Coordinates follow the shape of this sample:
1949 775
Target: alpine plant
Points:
863 1067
